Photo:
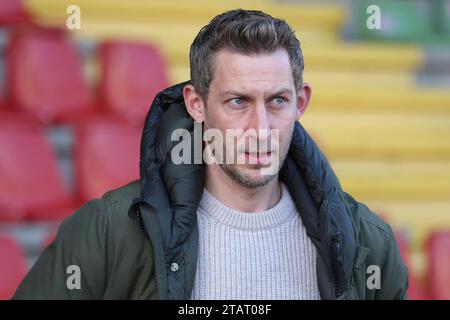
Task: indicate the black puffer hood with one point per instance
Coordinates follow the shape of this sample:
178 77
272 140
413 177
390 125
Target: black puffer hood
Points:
173 192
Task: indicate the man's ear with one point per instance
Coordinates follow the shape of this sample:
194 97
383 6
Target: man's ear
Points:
304 96
194 103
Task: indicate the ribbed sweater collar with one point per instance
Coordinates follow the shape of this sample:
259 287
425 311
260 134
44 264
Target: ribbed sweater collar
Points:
281 212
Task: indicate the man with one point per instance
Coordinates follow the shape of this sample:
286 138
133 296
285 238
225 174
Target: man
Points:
227 229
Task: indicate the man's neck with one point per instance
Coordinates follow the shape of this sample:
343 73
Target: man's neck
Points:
239 197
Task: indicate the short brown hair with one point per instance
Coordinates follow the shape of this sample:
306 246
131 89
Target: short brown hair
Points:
242 31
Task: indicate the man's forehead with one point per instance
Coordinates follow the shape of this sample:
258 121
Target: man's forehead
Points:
268 71
234 63
247 91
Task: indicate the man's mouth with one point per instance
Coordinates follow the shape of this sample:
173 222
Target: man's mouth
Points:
258 158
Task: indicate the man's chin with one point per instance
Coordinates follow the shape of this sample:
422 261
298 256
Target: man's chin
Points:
248 175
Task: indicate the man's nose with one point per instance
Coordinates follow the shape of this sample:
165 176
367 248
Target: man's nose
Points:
259 119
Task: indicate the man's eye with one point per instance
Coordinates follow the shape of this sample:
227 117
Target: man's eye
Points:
236 101
279 100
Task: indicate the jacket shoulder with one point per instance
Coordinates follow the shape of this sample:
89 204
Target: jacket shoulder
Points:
362 215
104 244
117 203
123 193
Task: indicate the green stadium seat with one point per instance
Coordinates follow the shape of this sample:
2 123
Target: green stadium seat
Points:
400 21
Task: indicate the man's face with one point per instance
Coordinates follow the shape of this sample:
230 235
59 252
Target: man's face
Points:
253 92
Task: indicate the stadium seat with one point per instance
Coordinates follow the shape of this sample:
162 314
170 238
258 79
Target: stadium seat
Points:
131 75
415 291
30 184
396 17
13 266
106 156
45 78
13 12
438 253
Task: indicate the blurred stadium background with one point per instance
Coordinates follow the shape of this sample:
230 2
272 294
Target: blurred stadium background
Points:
72 104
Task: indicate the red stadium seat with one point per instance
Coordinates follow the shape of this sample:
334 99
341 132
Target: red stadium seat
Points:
415 291
13 12
107 156
30 184
438 251
45 77
132 74
13 266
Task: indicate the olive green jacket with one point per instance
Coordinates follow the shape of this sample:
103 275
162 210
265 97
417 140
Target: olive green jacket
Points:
123 246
